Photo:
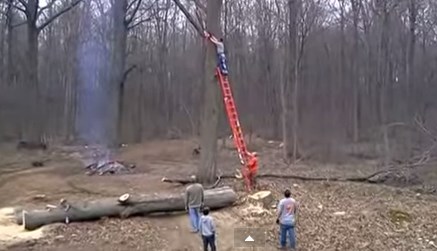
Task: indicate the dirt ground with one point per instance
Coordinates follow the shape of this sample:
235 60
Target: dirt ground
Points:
333 216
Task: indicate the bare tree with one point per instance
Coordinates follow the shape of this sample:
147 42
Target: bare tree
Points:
210 114
33 13
329 79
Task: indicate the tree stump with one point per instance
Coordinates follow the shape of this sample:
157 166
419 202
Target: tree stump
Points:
264 198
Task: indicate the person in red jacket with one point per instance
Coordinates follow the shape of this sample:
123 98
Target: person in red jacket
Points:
252 169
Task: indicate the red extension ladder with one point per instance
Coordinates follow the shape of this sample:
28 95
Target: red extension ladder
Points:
231 111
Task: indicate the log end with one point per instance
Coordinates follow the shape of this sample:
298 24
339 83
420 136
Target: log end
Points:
124 199
18 212
24 214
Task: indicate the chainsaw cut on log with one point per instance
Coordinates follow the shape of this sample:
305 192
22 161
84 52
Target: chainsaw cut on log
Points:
124 206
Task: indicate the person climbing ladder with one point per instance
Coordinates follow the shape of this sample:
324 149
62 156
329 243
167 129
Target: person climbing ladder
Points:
248 159
220 47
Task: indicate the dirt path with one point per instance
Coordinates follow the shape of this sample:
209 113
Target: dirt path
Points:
177 235
176 232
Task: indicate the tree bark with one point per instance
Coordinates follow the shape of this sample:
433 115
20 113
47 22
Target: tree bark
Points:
10 67
356 76
33 127
118 64
209 124
412 9
112 207
289 82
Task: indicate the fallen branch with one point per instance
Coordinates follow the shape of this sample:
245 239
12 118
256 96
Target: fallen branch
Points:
372 178
191 181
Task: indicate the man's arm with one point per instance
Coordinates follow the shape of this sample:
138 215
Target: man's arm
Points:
279 211
212 226
214 40
200 226
296 207
203 196
186 197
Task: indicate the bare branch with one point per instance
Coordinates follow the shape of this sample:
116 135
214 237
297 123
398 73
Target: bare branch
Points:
48 6
24 3
131 4
15 6
128 21
420 124
139 22
200 19
126 73
19 24
189 17
200 5
52 18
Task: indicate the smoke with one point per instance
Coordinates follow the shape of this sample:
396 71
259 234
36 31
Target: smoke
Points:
92 121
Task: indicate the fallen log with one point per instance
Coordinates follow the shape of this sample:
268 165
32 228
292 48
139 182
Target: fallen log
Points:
375 178
125 206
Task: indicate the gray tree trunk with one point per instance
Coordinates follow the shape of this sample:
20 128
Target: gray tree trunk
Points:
211 110
118 65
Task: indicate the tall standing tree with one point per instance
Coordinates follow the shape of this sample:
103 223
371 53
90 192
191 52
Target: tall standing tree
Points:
288 82
211 108
124 18
37 20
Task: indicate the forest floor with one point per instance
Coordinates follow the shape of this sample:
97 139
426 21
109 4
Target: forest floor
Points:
333 215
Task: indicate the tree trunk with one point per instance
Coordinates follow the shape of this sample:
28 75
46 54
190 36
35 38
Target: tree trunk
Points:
289 82
210 117
33 127
410 57
296 111
118 64
356 76
10 67
112 207
411 94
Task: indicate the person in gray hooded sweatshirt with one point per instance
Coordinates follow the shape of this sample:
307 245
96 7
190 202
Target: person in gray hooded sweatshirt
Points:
207 230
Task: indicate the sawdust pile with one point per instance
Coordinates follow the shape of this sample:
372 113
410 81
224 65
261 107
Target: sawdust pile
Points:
11 233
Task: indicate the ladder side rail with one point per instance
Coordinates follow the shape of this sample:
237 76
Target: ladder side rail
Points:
233 117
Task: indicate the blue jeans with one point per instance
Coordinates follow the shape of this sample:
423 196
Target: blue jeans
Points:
222 63
209 241
284 229
194 214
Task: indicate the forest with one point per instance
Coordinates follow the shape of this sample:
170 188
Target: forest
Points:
323 75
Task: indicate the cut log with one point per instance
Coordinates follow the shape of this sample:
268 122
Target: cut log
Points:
134 205
265 198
